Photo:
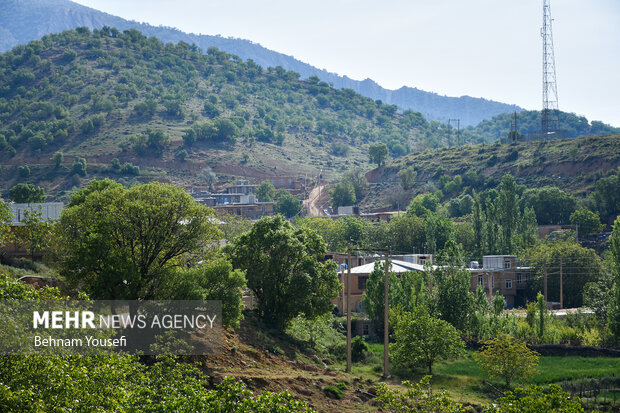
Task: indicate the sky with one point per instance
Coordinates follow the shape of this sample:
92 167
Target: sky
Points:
481 48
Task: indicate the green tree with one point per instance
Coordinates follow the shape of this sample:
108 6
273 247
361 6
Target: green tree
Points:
378 153
57 159
477 226
342 194
284 270
416 397
614 310
407 177
35 235
213 280
27 194
23 171
423 204
358 179
586 221
508 211
79 166
421 340
453 281
406 233
226 130
606 196
329 229
287 204
538 399
492 229
117 243
551 204
580 266
374 296
97 185
266 191
541 307
5 222
507 357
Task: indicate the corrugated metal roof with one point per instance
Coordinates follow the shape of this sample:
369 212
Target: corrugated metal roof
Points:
397 267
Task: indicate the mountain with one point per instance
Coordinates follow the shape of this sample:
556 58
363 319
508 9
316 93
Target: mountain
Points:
118 104
24 20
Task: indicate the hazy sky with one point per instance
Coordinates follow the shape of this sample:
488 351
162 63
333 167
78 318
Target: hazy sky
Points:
481 48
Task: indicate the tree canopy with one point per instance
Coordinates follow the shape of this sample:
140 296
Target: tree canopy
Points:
378 153
27 194
116 242
507 357
421 340
284 270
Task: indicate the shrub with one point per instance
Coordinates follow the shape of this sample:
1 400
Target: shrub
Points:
358 349
334 392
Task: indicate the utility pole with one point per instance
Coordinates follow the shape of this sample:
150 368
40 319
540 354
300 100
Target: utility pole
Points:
386 316
561 286
545 279
349 309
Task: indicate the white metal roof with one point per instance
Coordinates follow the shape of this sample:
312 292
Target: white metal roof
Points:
397 267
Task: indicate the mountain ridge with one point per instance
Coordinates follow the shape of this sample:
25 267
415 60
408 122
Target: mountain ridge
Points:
58 15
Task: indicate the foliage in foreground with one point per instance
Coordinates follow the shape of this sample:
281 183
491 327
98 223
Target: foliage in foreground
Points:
419 397
536 399
416 397
122 384
118 383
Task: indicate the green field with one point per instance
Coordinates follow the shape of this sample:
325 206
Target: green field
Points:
463 379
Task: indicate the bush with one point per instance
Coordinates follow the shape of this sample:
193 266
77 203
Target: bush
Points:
340 149
333 392
358 349
130 169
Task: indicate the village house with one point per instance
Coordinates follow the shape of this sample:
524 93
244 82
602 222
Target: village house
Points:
504 276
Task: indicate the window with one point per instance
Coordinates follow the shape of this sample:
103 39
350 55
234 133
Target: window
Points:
481 280
365 329
528 276
361 283
508 284
492 281
519 278
506 265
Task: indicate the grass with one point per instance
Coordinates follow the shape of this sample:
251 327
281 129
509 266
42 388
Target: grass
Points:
465 381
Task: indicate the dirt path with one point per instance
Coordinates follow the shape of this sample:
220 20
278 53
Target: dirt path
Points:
315 201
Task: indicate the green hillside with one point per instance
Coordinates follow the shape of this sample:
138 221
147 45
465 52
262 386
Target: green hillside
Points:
569 125
106 95
573 165
22 21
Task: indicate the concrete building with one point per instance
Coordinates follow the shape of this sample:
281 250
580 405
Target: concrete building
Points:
249 210
501 274
50 211
359 277
238 199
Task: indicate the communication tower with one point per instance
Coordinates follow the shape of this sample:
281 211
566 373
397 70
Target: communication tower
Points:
549 115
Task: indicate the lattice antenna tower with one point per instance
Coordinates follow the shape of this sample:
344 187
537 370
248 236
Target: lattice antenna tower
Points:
549 115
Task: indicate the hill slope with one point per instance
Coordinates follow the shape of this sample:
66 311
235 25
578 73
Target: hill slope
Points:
573 165
173 112
24 20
